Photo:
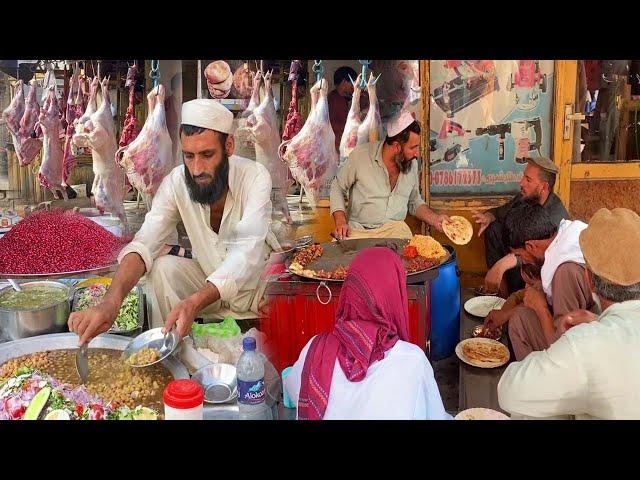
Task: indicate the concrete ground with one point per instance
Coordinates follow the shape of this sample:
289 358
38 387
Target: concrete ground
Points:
447 373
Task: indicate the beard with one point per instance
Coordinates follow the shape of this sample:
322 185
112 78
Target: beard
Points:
403 164
208 194
533 198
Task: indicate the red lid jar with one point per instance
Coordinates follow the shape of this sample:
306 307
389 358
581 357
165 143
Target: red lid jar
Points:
183 394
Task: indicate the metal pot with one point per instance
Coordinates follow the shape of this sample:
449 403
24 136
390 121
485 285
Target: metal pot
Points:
20 324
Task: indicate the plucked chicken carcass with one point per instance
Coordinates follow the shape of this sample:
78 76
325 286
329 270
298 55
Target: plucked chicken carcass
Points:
311 154
130 129
29 145
50 174
370 130
99 133
349 139
263 126
294 120
149 158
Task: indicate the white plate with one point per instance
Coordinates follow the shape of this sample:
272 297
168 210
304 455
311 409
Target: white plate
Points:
476 363
481 414
481 306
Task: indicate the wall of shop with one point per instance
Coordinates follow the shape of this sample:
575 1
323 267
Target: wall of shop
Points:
587 197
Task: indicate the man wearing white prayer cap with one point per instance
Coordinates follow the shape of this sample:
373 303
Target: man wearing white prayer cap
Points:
223 201
382 183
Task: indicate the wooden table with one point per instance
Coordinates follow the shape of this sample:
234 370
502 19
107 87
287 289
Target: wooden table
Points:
478 387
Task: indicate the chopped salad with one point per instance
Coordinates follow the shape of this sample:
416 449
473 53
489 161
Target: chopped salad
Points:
128 316
32 395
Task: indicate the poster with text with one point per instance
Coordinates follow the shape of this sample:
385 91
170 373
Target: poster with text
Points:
486 118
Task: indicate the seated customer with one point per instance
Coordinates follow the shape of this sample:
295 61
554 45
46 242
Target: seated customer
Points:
593 369
533 237
366 368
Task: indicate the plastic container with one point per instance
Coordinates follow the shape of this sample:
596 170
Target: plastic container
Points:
445 309
183 400
251 387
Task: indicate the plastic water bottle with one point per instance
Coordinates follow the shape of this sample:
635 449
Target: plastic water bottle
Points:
251 387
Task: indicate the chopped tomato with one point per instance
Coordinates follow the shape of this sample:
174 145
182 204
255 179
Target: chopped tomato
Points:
410 251
96 412
79 410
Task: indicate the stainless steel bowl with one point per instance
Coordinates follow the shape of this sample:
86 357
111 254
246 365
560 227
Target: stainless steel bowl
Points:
219 382
19 324
155 339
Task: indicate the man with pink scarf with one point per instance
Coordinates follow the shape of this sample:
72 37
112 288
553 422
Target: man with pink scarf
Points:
366 368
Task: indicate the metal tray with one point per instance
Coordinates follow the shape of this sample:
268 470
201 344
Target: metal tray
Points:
141 311
76 274
342 253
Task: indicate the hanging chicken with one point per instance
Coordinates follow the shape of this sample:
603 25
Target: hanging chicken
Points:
311 154
149 158
263 126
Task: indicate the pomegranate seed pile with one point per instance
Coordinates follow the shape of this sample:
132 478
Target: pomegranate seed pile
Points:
57 241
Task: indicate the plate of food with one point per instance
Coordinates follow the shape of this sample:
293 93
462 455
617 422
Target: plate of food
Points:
330 261
484 332
481 306
459 230
480 414
482 352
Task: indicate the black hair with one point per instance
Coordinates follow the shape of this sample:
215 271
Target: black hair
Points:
527 221
343 73
403 136
190 130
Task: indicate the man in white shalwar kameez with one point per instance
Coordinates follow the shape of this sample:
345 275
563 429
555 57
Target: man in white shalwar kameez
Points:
224 203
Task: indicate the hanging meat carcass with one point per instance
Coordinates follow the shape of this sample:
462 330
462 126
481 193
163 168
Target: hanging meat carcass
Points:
130 129
149 158
29 145
108 184
79 123
12 115
49 81
75 109
50 174
263 126
370 130
349 139
294 120
311 154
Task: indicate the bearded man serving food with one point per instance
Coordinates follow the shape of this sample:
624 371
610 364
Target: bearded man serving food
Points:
381 181
224 203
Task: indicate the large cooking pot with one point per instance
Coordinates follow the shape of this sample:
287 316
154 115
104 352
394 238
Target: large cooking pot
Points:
69 341
20 324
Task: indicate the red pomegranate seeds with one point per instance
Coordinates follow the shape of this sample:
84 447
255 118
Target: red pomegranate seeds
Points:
57 241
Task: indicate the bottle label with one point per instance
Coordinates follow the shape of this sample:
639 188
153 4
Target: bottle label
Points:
251 393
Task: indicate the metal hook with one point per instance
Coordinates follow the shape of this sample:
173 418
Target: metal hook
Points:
376 80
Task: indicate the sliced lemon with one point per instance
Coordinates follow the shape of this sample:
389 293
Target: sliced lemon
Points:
145 413
58 415
37 404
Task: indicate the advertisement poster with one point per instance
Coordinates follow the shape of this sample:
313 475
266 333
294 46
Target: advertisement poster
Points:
486 118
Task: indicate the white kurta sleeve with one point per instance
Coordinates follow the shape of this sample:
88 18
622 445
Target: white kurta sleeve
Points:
159 223
341 185
245 247
545 384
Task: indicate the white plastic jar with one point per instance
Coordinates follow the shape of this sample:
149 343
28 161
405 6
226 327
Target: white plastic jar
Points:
183 400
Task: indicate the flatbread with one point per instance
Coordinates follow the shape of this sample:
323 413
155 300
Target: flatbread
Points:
459 230
485 352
